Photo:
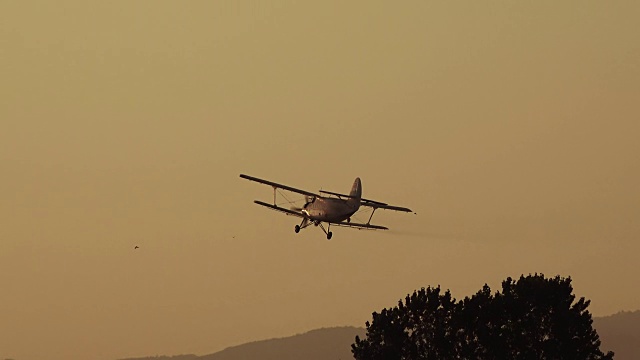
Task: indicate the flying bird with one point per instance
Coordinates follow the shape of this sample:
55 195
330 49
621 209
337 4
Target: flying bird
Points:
137 247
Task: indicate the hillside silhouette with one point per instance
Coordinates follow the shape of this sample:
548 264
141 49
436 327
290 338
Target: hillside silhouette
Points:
164 357
321 344
619 333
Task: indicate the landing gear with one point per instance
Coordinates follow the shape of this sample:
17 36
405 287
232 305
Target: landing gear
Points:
305 222
327 231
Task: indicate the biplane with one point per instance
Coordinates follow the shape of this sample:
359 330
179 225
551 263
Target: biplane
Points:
335 209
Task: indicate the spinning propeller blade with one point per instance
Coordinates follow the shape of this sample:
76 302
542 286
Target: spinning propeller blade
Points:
308 199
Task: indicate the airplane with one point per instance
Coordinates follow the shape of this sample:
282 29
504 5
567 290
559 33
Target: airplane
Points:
320 209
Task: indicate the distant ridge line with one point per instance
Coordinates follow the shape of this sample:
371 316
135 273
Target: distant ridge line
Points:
619 332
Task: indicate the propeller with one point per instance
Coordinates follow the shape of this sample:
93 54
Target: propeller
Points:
308 200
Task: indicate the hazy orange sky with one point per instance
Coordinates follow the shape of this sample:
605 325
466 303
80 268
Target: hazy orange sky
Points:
510 127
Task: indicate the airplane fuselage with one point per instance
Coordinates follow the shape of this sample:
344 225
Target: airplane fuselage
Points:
334 210
330 209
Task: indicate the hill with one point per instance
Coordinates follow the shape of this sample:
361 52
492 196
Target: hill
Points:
321 344
619 332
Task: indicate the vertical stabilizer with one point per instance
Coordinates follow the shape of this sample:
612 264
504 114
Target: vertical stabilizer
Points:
356 190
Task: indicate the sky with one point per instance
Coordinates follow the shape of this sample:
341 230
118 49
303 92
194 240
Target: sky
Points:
511 128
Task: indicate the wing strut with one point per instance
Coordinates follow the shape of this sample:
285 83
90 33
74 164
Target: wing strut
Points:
371 217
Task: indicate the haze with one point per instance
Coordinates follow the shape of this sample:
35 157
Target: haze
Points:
511 128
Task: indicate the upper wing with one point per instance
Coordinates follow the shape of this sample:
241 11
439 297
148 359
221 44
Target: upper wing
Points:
276 185
362 200
336 194
371 203
379 205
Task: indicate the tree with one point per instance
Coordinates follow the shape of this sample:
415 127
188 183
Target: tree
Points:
415 329
532 318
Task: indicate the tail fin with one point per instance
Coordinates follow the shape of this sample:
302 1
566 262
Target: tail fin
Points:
356 189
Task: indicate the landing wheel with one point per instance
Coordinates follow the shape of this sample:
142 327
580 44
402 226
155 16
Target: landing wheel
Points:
297 229
329 234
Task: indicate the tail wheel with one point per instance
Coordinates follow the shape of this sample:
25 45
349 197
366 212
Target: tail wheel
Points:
297 229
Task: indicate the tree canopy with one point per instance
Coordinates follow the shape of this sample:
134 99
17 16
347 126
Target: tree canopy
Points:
531 318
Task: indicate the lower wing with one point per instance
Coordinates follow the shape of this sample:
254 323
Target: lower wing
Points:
281 209
336 223
359 226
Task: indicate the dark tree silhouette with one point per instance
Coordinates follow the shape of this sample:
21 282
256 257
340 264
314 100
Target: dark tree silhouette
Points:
416 328
532 318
